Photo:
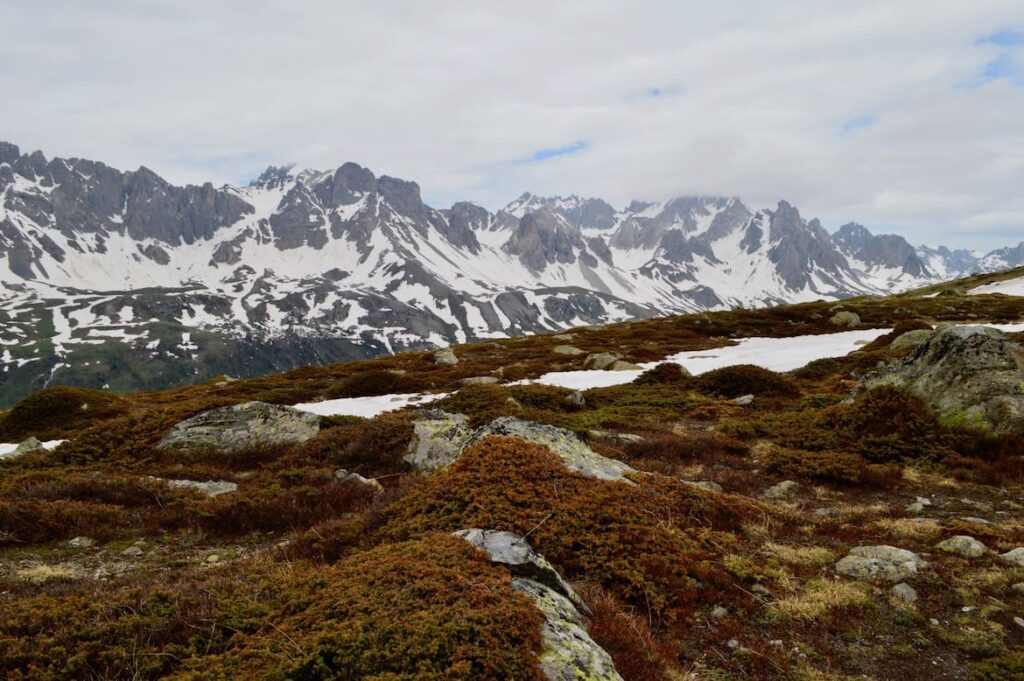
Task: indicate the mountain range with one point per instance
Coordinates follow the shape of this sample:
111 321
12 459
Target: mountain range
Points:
124 280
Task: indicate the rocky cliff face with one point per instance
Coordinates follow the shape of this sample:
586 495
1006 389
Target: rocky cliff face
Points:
123 279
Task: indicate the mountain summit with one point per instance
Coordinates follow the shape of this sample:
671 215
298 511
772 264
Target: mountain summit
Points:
124 279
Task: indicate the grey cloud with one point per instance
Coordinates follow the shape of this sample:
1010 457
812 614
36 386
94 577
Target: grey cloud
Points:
754 99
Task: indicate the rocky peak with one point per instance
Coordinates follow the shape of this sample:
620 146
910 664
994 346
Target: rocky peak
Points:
349 182
9 153
273 176
798 249
543 237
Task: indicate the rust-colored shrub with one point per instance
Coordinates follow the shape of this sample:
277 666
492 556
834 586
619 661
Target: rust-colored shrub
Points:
430 608
53 413
644 542
746 379
666 372
830 466
625 635
375 382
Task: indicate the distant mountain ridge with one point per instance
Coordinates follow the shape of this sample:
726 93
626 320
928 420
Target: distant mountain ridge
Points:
123 279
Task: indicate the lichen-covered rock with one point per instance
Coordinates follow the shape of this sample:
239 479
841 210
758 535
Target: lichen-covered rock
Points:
600 361
510 550
904 592
963 545
845 319
623 365
211 488
910 338
347 476
445 357
781 490
251 424
970 375
568 350
1014 556
479 380
881 562
81 543
569 653
574 453
31 444
438 438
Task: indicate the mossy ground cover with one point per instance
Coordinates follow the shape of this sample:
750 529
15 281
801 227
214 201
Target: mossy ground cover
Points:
301 575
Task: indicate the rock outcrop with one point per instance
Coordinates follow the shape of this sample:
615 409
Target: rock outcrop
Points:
252 424
439 438
970 375
574 452
569 653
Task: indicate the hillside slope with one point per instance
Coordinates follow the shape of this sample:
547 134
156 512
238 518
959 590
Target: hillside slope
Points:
125 280
740 522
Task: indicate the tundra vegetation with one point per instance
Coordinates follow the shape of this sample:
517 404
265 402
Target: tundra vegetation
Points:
716 559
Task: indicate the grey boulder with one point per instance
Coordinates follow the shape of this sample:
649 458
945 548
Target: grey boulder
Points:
887 563
963 545
970 375
438 438
242 426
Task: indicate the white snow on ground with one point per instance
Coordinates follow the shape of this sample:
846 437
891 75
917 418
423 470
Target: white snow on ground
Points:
777 354
367 407
1009 287
6 448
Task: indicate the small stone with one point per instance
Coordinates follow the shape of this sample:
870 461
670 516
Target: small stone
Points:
600 361
576 399
976 520
132 551
82 543
719 613
31 444
1018 587
708 485
346 476
882 562
845 319
622 365
1014 557
626 438
733 643
211 488
1019 621
743 400
904 592
479 380
570 350
782 489
445 356
963 545
761 590
564 336
918 505
212 558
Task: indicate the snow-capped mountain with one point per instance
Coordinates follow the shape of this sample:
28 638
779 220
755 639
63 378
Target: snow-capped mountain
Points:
122 279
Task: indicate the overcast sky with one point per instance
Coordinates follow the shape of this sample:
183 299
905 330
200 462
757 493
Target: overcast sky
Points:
906 116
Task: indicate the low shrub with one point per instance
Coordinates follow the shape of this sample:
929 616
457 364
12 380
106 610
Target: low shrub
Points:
666 372
746 379
53 413
644 542
430 608
375 382
830 466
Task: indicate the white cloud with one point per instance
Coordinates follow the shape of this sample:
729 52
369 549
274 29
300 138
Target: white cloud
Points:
879 112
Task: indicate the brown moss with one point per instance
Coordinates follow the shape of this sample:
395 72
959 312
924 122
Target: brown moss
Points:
828 466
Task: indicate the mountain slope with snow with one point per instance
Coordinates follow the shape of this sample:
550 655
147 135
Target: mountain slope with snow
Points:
122 279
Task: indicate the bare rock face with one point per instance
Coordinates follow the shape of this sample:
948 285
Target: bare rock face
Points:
251 424
970 375
569 653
